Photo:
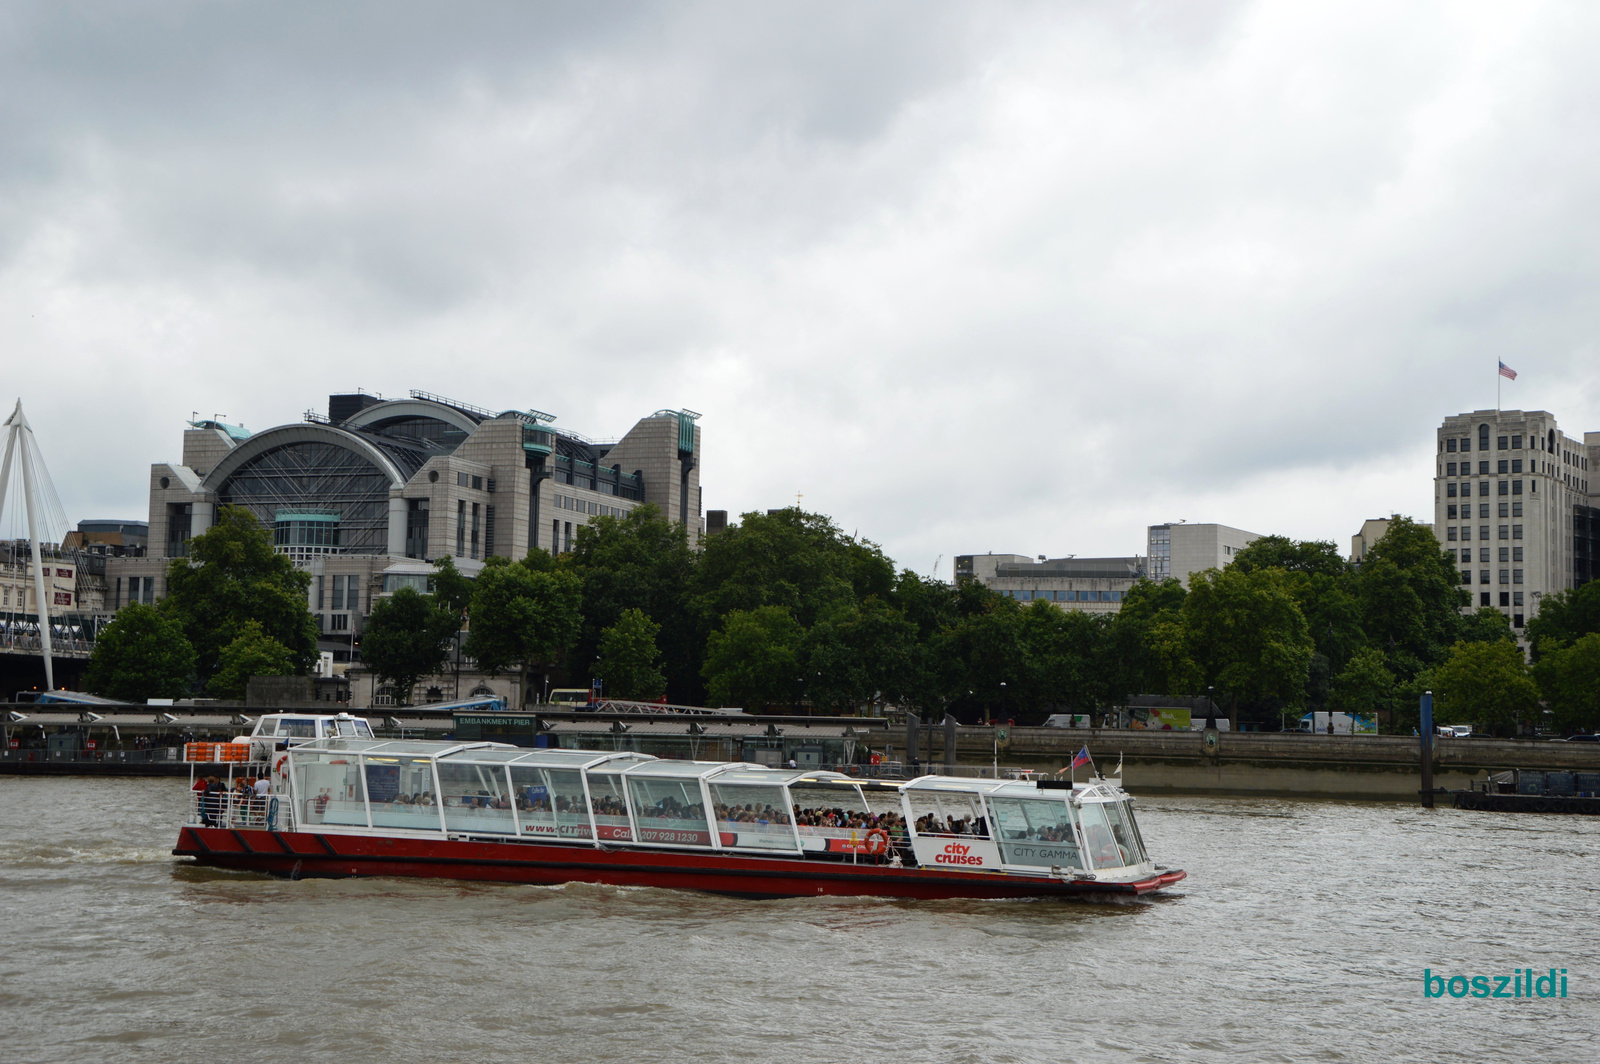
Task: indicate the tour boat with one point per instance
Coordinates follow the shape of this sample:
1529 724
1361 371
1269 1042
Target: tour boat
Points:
345 806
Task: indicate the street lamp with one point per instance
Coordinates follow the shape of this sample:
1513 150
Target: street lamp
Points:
1002 700
1211 707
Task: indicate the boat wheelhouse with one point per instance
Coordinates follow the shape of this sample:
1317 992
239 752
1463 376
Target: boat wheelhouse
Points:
346 806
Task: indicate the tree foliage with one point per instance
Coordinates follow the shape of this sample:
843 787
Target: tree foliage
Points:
140 655
233 577
754 659
629 660
1564 618
1486 684
408 637
524 613
1569 680
252 653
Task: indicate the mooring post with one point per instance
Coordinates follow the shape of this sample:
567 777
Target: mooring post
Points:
1427 749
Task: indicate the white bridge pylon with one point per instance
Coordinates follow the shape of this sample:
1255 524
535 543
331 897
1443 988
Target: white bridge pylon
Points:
20 445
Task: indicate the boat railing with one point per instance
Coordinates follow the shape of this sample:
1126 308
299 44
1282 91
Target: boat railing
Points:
230 809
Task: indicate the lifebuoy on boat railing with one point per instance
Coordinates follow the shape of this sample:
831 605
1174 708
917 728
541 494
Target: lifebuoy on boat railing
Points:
877 842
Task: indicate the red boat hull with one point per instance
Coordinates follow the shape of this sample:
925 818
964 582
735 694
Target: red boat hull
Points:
302 854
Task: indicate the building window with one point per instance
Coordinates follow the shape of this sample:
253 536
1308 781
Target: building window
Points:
1504 467
1516 465
1483 555
1504 487
339 622
1516 576
1505 509
352 600
1450 533
1505 532
461 480
477 483
1516 531
1483 598
416 528
1505 578
1450 469
555 537
461 528
1466 532
1466 576
476 516
1516 554
1516 443
1450 445
1452 513
1450 491
1483 437
1483 486
1483 578
1505 598
488 531
1516 598
1483 531
1505 554
1504 443
338 593
568 526
1483 509
1516 487
1516 509
320 580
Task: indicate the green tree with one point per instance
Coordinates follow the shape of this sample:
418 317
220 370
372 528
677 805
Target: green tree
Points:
408 637
452 589
1486 625
1364 686
1247 636
1061 652
231 577
1485 684
252 653
1143 650
855 653
640 561
1312 557
142 654
793 559
524 613
1565 617
1411 598
754 659
629 660
1569 679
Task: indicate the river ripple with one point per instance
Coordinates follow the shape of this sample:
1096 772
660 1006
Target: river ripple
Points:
1300 936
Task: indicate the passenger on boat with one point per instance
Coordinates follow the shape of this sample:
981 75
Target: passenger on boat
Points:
402 799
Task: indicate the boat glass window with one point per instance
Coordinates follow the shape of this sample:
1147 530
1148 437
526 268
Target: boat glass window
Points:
347 728
1035 831
363 729
268 726
610 807
1120 814
941 812
330 789
669 811
400 793
1102 844
752 816
474 798
550 802
299 729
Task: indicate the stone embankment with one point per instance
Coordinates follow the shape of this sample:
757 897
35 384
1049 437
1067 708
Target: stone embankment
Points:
1384 767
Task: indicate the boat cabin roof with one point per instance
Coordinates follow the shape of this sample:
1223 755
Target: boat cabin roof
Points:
479 753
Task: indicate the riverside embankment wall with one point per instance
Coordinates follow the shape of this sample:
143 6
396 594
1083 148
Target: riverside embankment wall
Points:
1380 767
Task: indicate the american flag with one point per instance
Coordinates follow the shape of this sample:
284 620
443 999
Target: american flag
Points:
1507 371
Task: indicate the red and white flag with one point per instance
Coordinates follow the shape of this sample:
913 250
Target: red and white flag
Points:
1507 371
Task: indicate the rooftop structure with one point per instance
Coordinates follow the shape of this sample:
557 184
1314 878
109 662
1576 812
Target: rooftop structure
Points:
1179 550
1091 585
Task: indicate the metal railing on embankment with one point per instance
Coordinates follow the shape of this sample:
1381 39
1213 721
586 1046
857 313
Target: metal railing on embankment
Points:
150 755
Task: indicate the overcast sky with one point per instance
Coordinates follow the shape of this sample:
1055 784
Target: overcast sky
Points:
969 277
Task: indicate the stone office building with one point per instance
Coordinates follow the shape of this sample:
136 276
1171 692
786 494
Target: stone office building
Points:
367 495
1513 507
1087 585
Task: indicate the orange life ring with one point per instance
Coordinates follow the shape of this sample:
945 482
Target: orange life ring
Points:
278 767
876 843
